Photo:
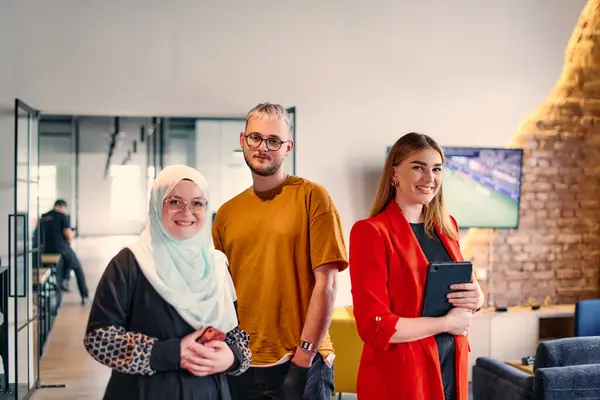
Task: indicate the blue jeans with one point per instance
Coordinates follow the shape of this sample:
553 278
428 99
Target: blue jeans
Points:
266 383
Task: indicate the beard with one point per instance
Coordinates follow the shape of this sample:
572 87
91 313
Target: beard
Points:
266 170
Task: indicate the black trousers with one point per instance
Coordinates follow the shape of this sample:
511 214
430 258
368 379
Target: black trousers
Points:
266 383
70 262
445 343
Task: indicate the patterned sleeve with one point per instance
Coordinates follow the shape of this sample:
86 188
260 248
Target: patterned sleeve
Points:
125 352
107 338
238 341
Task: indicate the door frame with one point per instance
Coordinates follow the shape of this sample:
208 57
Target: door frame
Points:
32 114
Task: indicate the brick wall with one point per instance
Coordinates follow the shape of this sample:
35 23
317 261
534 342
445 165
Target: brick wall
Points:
556 250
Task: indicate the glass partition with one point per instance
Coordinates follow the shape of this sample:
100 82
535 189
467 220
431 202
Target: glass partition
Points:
23 365
57 172
72 148
290 162
151 156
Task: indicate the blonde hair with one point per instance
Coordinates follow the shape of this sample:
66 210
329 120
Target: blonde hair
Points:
269 110
434 213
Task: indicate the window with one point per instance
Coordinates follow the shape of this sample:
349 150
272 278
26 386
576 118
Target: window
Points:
47 188
125 193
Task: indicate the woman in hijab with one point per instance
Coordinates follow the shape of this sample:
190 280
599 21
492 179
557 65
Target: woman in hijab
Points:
158 296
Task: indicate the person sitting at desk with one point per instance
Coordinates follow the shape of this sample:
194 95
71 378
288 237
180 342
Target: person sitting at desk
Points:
405 354
56 236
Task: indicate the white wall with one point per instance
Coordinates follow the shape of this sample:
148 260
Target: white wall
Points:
360 73
7 133
7 157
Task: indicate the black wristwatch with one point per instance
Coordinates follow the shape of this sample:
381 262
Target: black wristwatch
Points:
306 345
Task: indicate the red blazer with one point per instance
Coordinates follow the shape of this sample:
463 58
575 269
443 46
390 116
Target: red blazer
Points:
388 271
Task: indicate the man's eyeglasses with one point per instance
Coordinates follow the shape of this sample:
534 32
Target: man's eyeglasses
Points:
177 204
254 141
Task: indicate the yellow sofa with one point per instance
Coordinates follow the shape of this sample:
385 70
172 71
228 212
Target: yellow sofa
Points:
348 349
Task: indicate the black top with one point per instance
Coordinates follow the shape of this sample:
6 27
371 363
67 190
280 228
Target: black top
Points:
435 251
53 224
127 318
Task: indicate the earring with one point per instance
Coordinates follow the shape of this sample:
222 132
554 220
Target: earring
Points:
394 181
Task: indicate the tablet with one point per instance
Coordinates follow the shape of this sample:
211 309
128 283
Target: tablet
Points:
440 275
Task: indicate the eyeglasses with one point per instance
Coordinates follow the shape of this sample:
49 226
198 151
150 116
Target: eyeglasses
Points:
254 141
177 204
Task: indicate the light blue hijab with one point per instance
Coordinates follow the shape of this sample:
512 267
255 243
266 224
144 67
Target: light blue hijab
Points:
189 274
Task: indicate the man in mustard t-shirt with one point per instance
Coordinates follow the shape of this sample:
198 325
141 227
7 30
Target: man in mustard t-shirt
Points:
284 242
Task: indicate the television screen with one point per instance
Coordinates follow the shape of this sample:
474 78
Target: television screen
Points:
482 186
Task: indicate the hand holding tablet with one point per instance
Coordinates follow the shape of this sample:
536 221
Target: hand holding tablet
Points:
467 296
444 278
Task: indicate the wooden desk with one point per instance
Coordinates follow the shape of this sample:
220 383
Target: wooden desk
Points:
50 258
43 276
528 369
47 301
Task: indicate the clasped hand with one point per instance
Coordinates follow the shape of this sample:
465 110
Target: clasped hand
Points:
204 359
465 302
470 296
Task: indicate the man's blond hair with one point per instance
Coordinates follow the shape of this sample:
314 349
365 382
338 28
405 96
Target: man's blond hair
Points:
269 110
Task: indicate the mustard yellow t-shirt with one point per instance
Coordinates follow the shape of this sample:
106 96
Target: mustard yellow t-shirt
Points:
273 241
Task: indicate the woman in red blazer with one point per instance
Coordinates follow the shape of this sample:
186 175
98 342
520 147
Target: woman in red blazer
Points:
406 356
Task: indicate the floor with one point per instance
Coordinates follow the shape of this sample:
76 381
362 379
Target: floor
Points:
65 361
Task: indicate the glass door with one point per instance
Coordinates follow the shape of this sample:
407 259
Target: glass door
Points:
149 136
23 365
290 163
75 176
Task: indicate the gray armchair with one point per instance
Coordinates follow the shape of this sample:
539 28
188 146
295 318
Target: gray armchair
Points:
564 369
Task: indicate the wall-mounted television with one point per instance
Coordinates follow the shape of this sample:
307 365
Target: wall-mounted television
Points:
482 186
